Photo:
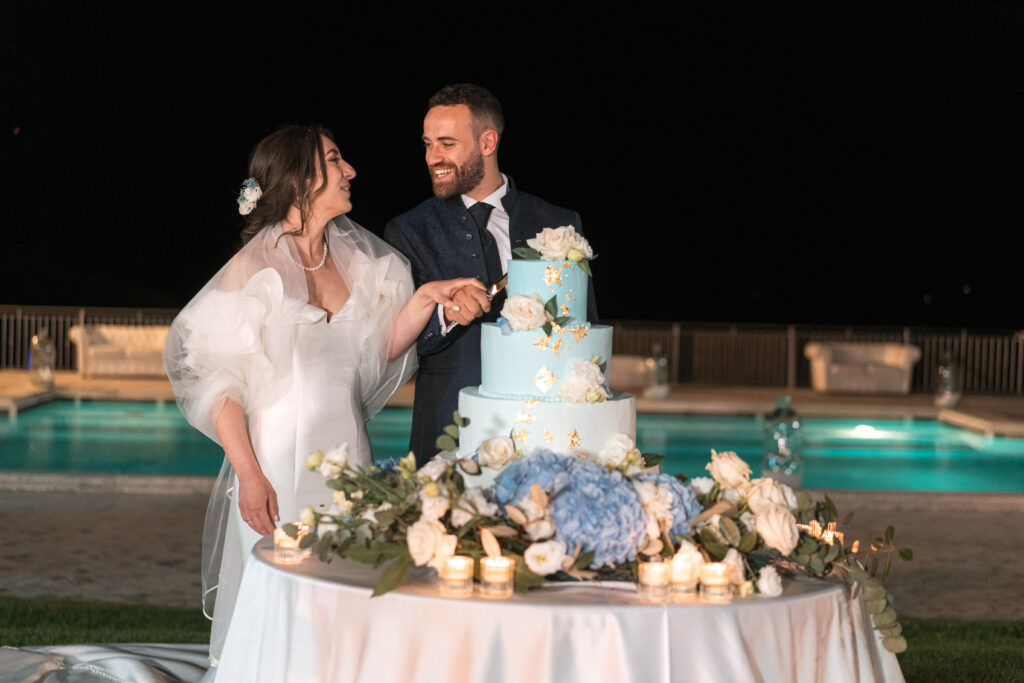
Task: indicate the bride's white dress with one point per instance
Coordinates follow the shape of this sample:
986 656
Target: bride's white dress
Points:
306 380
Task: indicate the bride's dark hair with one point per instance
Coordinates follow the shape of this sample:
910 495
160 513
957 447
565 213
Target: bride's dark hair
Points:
285 164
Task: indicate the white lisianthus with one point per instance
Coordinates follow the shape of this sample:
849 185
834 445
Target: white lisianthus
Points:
728 469
657 504
702 485
524 312
777 526
422 539
769 582
554 243
472 502
314 460
307 516
496 453
433 470
735 563
767 491
443 551
334 461
432 507
539 529
545 558
371 514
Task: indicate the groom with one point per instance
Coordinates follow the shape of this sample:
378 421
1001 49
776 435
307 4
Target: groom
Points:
468 229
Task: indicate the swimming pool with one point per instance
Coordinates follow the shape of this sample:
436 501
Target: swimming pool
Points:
98 437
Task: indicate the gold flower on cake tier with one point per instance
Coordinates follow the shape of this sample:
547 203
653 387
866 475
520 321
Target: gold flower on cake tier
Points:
579 332
574 440
524 418
521 435
548 436
552 276
541 343
544 379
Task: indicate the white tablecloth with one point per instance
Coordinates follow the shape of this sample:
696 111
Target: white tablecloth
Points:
316 622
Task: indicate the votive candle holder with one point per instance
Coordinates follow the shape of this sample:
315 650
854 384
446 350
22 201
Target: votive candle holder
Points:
715 582
654 581
497 576
685 576
457 577
286 548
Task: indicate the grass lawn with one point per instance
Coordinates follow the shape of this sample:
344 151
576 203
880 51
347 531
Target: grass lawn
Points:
940 650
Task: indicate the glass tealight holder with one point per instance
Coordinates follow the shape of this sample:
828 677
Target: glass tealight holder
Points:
654 581
286 548
685 577
497 576
457 577
715 583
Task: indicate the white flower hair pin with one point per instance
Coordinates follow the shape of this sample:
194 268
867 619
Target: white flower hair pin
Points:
249 195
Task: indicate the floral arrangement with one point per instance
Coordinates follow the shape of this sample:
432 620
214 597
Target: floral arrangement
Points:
559 244
567 518
248 196
523 313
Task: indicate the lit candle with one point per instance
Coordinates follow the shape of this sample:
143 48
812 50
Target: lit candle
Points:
457 577
715 583
685 573
496 576
286 548
654 580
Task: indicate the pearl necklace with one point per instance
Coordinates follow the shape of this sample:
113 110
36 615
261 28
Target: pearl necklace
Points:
310 269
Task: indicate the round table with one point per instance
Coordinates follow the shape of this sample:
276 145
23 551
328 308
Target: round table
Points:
316 621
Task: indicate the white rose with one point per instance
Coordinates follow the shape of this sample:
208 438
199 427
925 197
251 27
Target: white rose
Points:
524 312
443 551
702 485
307 516
614 452
433 470
472 502
545 558
735 562
422 538
769 582
589 371
767 491
496 453
728 469
432 507
578 241
553 243
777 526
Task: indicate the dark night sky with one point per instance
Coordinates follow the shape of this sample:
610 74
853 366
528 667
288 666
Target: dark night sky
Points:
860 164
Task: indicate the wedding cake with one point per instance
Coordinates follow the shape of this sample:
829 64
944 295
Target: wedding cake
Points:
544 367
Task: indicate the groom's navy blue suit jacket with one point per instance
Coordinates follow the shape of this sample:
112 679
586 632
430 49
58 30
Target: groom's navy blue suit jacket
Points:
439 239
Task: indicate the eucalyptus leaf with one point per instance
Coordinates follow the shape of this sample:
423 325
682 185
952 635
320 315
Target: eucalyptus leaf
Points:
392 576
307 541
807 545
459 420
361 553
801 559
385 517
747 542
874 592
831 507
858 574
847 518
906 554
445 443
886 618
816 565
452 431
711 545
652 459
890 534
291 530
872 583
527 253
833 552
876 606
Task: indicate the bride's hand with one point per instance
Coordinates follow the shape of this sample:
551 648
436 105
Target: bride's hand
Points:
257 502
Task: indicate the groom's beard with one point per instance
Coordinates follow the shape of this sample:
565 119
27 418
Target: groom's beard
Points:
463 178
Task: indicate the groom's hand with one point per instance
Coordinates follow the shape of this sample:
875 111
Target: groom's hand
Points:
472 302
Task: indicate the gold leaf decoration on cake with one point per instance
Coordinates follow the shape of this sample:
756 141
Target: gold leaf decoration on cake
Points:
531 402
548 436
525 418
564 310
521 435
569 297
541 343
552 275
544 379
557 346
567 265
574 439
579 332
557 329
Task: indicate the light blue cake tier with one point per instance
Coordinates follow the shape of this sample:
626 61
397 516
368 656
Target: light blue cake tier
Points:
514 365
577 429
563 279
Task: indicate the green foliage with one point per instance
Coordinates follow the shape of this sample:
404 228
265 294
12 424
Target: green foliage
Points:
445 443
652 459
291 530
527 253
585 266
393 575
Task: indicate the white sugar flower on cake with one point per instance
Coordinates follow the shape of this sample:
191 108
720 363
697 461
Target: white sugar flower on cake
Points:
620 453
585 383
524 312
559 244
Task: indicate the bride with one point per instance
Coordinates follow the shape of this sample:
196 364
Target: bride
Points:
292 346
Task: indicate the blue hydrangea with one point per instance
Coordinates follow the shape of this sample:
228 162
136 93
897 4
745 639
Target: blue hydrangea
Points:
684 501
503 325
542 467
601 510
387 465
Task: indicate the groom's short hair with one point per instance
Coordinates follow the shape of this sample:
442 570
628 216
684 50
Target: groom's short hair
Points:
483 105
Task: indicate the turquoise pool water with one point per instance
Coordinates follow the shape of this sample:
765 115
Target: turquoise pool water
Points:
146 438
